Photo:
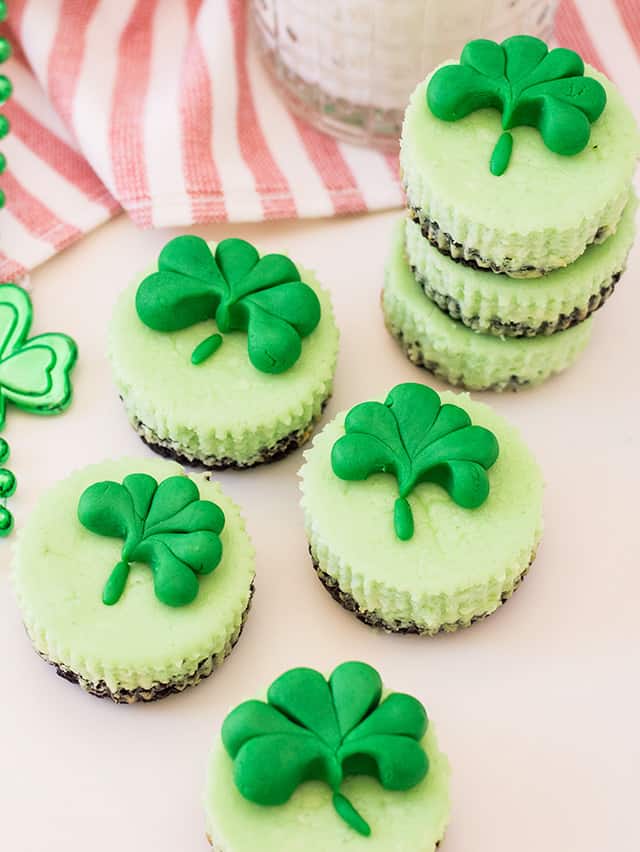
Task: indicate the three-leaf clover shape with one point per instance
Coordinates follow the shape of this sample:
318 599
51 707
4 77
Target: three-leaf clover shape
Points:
311 729
416 439
34 372
530 84
263 296
165 525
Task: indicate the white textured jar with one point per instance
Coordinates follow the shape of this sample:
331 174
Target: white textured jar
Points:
349 66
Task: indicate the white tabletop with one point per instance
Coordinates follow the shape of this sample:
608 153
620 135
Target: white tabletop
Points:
538 706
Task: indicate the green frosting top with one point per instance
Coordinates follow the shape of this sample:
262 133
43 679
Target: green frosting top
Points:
529 84
262 296
34 372
416 439
165 525
311 729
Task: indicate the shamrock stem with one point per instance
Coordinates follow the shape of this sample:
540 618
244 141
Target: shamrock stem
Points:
403 519
350 815
206 349
114 587
501 154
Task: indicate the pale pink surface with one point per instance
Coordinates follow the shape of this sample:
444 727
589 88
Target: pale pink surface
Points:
536 707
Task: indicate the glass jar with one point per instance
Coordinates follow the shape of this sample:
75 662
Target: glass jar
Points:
349 66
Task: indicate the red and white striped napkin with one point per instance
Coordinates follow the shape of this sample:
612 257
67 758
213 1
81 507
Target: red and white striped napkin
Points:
161 107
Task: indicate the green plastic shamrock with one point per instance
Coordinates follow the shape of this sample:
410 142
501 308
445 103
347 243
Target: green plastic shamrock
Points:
165 525
530 84
34 372
242 291
417 439
311 729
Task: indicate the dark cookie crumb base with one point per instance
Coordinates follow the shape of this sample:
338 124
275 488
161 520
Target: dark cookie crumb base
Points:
204 669
499 328
374 619
288 444
471 257
413 351
216 848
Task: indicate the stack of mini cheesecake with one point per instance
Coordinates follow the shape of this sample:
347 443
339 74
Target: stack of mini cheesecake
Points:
518 166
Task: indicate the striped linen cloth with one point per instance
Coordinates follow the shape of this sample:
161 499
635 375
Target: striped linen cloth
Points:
161 108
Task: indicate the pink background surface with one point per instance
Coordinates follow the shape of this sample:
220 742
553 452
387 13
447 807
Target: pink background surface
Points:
537 706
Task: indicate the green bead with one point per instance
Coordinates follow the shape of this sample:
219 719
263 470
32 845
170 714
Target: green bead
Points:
8 483
6 521
6 88
3 10
5 49
5 127
3 198
3 162
4 451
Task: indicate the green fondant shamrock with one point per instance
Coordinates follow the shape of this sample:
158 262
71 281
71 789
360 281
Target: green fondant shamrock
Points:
416 439
311 729
34 372
530 84
242 291
165 525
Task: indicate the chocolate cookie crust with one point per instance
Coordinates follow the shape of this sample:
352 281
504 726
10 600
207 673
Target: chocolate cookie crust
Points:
414 353
172 450
374 619
469 256
156 691
499 328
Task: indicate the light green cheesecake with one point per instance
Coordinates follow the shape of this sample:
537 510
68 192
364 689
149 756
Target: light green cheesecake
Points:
195 394
425 524
279 783
447 348
131 612
546 208
508 307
